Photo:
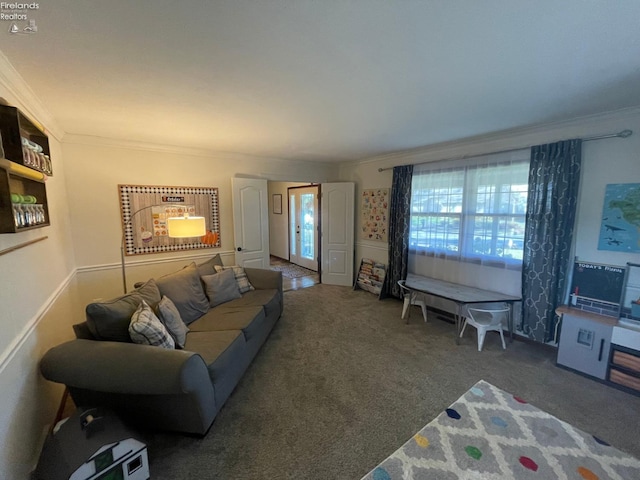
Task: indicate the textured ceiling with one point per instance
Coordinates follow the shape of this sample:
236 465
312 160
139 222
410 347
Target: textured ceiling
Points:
324 80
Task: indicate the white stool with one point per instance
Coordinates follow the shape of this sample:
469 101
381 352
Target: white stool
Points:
411 298
486 320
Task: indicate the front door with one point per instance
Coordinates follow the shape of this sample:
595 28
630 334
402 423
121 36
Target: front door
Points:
303 227
251 222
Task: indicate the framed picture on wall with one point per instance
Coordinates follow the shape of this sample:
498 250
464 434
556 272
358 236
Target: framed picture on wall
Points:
619 230
277 204
145 209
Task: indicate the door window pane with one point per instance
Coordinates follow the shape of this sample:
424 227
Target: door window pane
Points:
307 201
292 227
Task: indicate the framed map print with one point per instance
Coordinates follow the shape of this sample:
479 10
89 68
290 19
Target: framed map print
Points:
620 225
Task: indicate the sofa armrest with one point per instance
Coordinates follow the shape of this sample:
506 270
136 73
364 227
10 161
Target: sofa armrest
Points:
262 279
125 368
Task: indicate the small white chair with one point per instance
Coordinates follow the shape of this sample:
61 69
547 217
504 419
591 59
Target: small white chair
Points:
486 320
411 298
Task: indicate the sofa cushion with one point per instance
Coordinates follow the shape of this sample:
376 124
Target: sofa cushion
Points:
110 320
146 329
226 356
208 267
241 277
247 319
269 299
170 317
184 288
221 287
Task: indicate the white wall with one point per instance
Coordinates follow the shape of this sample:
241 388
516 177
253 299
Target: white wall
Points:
279 224
604 161
37 292
95 169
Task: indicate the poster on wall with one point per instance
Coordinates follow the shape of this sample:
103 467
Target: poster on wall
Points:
375 213
145 210
620 226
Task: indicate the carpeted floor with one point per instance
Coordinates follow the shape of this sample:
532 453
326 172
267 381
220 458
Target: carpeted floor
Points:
342 383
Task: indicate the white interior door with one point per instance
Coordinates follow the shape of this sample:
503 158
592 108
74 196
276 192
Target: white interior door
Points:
303 227
337 227
251 222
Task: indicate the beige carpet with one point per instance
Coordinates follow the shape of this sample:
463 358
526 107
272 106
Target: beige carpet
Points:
342 382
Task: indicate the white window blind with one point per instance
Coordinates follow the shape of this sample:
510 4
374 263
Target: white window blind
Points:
471 210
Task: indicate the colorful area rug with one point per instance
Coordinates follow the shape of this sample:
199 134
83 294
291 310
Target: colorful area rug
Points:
292 270
491 434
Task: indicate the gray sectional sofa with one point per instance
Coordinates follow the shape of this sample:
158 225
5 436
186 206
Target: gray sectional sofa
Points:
178 389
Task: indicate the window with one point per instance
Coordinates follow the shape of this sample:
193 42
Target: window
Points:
472 212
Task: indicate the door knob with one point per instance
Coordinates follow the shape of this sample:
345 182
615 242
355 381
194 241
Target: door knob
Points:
239 249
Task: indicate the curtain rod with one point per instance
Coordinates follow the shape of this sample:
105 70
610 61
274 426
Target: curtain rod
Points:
622 134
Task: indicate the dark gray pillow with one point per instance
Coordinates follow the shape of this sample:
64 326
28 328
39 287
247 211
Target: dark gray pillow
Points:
184 288
110 320
221 287
208 267
170 318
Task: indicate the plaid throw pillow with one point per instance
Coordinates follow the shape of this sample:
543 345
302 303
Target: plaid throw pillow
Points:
146 329
241 277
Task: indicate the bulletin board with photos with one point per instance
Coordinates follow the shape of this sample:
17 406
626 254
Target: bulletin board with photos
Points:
145 209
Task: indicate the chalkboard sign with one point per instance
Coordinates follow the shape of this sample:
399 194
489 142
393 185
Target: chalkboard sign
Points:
597 281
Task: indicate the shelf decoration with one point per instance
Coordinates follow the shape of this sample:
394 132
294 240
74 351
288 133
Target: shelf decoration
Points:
147 232
375 213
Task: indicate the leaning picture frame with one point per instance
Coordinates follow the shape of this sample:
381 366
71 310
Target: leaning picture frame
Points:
277 204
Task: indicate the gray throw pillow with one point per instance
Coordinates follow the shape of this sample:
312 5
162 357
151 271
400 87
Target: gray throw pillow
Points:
146 329
149 292
110 320
208 267
170 318
221 287
184 288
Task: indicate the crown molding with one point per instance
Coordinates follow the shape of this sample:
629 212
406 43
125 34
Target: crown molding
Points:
26 99
109 142
503 139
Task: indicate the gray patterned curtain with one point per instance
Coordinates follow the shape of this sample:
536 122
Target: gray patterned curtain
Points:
399 220
554 176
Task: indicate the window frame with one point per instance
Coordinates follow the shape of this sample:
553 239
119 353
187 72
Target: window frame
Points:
499 193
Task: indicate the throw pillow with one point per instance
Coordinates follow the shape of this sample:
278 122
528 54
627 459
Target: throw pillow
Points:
170 318
110 320
208 267
149 292
184 288
241 277
146 329
221 287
